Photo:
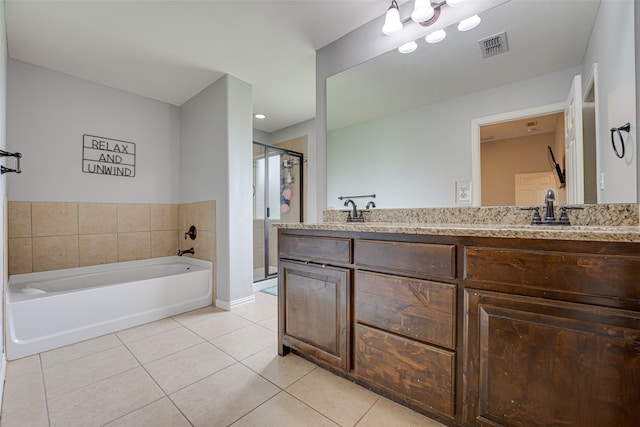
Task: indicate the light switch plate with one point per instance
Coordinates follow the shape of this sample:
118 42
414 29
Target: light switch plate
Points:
463 191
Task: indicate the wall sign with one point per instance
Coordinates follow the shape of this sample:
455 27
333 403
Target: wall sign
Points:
105 156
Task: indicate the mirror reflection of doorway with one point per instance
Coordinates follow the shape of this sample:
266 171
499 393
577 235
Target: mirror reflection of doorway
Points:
574 148
277 197
516 169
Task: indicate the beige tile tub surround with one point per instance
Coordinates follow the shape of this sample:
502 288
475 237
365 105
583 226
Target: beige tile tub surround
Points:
19 219
95 249
54 235
97 218
20 255
134 217
50 219
55 252
203 216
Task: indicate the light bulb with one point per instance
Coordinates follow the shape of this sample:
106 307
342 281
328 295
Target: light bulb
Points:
469 23
436 36
408 47
454 3
422 11
392 23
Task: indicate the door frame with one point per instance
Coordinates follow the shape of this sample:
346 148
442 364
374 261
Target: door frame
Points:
476 164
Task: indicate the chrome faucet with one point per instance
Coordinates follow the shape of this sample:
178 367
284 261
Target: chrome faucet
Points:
354 215
549 198
186 251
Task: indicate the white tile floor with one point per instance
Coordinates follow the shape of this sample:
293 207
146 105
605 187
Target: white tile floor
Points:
203 368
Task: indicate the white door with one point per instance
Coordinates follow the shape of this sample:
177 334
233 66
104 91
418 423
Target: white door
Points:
573 144
531 188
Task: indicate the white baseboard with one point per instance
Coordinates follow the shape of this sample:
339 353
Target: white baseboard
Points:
226 305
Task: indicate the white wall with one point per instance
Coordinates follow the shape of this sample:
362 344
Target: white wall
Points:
410 146
48 113
240 161
614 52
215 164
3 182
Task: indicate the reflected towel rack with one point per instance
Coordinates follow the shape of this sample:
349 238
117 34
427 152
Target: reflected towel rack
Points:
17 156
356 197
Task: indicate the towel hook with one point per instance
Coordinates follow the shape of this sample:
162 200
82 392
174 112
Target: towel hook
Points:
17 156
626 127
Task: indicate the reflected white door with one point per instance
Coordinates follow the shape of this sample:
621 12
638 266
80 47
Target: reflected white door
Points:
574 154
531 188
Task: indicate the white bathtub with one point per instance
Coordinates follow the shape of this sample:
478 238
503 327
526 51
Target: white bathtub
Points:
51 309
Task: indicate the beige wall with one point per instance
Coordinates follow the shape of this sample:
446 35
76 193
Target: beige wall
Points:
502 160
54 235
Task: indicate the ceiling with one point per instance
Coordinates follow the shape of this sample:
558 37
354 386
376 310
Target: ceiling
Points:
521 128
170 50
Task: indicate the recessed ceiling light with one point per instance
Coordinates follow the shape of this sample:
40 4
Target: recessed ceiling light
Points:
259 116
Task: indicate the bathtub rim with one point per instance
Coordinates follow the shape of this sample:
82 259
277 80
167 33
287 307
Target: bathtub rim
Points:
98 268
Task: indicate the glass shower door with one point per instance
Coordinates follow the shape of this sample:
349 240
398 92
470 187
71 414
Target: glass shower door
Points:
277 182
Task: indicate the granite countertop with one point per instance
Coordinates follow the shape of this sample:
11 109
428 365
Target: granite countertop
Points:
605 223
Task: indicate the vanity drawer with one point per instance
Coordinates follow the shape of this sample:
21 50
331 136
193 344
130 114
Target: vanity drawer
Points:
415 373
417 309
318 249
570 274
409 258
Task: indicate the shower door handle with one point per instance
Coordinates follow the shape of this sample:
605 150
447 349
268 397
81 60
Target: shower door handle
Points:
268 212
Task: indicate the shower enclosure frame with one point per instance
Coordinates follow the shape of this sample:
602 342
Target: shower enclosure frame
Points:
268 150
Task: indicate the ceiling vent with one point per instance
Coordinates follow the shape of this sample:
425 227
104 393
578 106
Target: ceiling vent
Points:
494 45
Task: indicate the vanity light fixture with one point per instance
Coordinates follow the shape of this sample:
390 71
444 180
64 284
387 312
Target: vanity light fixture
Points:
408 47
259 116
392 23
469 23
425 14
422 11
436 37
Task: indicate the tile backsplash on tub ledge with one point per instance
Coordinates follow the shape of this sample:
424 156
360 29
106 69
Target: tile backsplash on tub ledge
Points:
591 215
53 235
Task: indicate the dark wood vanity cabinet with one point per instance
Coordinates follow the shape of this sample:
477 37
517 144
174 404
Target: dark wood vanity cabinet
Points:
471 331
316 311
404 325
552 334
315 299
531 362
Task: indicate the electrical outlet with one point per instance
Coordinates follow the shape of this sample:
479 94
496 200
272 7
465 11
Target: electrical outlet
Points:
463 191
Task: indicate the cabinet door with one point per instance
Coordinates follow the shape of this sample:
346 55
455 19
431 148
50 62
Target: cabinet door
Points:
314 311
532 362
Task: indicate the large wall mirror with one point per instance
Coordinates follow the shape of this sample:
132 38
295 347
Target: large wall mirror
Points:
403 126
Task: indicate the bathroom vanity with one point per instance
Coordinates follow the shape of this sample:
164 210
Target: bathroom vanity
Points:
471 325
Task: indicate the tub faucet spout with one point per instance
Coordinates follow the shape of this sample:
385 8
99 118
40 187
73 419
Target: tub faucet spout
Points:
186 251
